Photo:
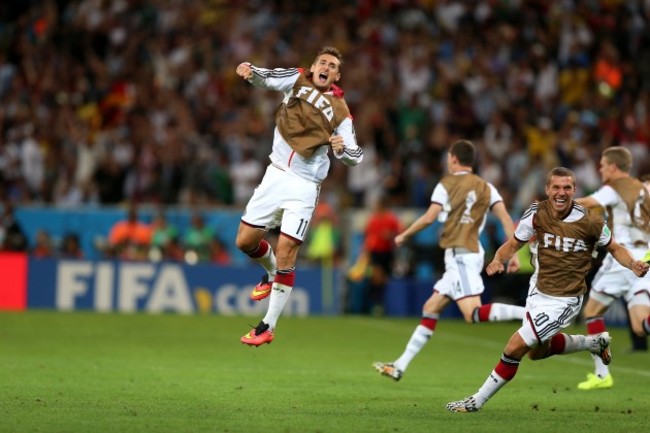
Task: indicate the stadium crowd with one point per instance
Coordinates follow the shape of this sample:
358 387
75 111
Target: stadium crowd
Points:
104 102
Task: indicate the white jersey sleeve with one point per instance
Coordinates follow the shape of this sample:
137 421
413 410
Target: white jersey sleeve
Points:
606 196
274 79
495 196
525 230
605 236
352 153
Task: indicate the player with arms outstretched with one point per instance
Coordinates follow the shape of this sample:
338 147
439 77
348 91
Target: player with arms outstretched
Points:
567 234
312 118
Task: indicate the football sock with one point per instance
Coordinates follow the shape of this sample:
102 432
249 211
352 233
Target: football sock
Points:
562 344
596 325
497 313
282 286
420 336
264 255
504 371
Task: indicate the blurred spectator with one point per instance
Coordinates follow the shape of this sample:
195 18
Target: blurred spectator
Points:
138 101
43 245
378 251
71 247
198 240
12 236
165 242
129 239
324 238
220 254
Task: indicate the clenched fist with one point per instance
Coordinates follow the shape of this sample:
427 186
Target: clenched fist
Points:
245 71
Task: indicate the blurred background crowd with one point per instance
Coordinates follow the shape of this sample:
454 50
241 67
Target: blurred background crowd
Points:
104 102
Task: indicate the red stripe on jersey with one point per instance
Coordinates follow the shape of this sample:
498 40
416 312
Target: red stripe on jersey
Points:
290 158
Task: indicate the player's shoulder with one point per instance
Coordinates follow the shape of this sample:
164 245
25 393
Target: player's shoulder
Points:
532 210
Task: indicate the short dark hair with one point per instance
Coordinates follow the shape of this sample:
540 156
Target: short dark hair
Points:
332 51
464 151
561 172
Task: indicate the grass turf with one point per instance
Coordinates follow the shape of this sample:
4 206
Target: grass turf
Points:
87 372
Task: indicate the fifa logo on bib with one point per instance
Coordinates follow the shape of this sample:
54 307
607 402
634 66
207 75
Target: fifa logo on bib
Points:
316 98
564 244
470 201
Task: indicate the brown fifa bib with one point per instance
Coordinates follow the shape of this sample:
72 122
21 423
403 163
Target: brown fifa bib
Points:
565 250
309 117
469 196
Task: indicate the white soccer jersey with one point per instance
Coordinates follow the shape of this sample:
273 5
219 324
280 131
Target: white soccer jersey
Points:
625 231
441 196
282 155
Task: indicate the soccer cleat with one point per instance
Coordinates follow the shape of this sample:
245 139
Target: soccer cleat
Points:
262 289
258 336
466 405
388 369
600 347
595 382
646 258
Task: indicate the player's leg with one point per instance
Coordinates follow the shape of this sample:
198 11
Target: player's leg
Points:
250 240
298 200
593 312
443 291
421 335
545 317
287 253
503 372
497 312
262 212
639 312
612 281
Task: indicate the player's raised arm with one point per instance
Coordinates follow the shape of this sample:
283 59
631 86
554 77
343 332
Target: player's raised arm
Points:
280 79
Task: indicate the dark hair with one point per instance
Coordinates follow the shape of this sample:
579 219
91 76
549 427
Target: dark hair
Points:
333 51
561 172
464 151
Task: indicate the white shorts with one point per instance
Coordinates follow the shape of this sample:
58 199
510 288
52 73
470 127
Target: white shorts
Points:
282 200
546 315
613 281
462 277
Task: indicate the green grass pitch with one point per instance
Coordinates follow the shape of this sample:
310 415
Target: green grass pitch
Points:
87 372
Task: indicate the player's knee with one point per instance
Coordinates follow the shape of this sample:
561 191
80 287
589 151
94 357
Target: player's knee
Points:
245 245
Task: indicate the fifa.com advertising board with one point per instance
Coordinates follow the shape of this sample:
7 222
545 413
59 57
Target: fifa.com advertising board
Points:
113 286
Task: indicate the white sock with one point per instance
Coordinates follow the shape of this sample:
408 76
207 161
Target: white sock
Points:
576 343
505 312
492 385
417 341
278 299
601 369
268 263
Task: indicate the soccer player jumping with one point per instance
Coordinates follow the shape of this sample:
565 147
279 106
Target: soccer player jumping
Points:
312 118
